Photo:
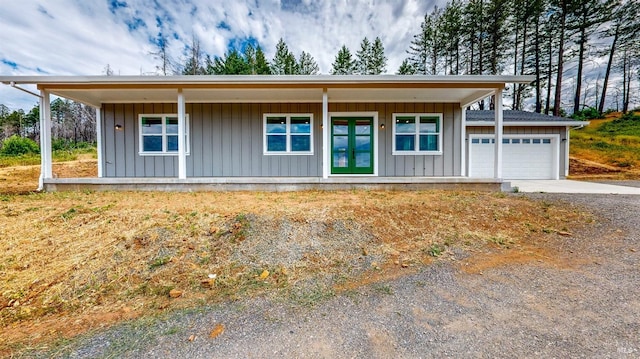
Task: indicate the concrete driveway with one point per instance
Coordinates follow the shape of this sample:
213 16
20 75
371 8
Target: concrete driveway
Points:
569 186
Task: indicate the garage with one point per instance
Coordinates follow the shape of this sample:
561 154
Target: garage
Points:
523 156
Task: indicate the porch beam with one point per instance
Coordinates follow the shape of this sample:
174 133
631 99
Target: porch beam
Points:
497 166
326 155
99 140
182 157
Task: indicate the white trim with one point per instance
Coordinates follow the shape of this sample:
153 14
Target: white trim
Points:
527 123
99 148
182 160
566 153
374 130
326 147
555 143
416 151
287 134
497 164
164 152
463 142
45 152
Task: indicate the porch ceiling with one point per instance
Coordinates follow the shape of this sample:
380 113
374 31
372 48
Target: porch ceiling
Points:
95 90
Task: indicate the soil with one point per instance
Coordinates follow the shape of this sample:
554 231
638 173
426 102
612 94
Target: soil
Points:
567 295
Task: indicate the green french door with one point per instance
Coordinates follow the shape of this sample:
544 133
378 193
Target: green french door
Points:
352 145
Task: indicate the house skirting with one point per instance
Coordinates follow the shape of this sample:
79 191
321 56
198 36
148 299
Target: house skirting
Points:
279 184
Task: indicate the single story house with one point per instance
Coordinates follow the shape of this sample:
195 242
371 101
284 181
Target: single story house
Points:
296 132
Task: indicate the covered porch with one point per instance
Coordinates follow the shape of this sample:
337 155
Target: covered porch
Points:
457 91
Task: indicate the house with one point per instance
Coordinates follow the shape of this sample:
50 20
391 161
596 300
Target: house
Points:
298 132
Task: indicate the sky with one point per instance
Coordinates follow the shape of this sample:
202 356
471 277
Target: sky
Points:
82 37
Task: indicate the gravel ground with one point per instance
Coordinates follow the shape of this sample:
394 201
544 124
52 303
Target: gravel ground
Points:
587 308
628 183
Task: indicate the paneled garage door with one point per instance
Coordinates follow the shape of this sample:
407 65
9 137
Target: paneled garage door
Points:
523 157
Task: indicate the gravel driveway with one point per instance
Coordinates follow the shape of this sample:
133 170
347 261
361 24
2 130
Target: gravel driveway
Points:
583 302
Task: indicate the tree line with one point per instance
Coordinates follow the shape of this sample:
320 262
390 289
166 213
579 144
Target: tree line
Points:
552 40
70 121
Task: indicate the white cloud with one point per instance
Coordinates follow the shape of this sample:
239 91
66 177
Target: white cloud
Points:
77 37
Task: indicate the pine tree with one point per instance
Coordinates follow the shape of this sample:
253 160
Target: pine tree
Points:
585 16
363 57
451 29
307 65
284 62
162 54
262 65
406 68
427 46
377 60
344 64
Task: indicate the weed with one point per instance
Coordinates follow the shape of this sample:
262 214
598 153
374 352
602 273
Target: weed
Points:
435 250
383 288
160 261
515 189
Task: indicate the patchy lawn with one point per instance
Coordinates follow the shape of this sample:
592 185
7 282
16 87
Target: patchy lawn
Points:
607 148
75 261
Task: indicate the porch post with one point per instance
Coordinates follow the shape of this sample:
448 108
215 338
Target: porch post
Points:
326 148
46 171
99 139
497 165
566 152
182 157
463 142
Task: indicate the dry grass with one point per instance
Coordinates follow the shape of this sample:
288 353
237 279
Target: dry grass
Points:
70 262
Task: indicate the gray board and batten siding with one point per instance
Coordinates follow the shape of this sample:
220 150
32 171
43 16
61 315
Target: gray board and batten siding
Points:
226 140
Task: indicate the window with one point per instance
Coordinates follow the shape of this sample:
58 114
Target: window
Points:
288 134
159 134
417 134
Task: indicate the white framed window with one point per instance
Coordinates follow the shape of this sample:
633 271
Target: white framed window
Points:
417 134
288 134
159 134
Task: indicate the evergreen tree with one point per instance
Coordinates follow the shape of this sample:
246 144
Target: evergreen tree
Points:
377 60
262 65
585 17
307 65
343 64
284 62
363 57
624 29
162 54
427 46
406 68
451 29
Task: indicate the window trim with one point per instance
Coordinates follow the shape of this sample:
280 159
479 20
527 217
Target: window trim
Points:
164 135
288 133
416 151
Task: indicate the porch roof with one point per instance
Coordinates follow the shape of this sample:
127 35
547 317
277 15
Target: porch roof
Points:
95 90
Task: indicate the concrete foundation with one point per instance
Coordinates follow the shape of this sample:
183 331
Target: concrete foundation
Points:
280 184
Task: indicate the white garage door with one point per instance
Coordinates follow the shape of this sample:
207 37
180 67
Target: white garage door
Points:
522 157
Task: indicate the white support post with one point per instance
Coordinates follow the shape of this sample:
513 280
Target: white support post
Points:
463 142
497 165
326 148
566 152
182 157
99 140
45 136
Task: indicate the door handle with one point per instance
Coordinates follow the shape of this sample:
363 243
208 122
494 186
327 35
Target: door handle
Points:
353 153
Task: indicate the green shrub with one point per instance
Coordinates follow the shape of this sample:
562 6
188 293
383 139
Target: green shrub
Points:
588 113
62 144
17 146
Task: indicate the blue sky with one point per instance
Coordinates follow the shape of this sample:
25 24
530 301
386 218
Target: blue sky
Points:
80 37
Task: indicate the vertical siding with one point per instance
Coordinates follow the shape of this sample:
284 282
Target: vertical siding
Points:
227 140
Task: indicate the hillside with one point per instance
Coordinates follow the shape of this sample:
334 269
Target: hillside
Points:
607 148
